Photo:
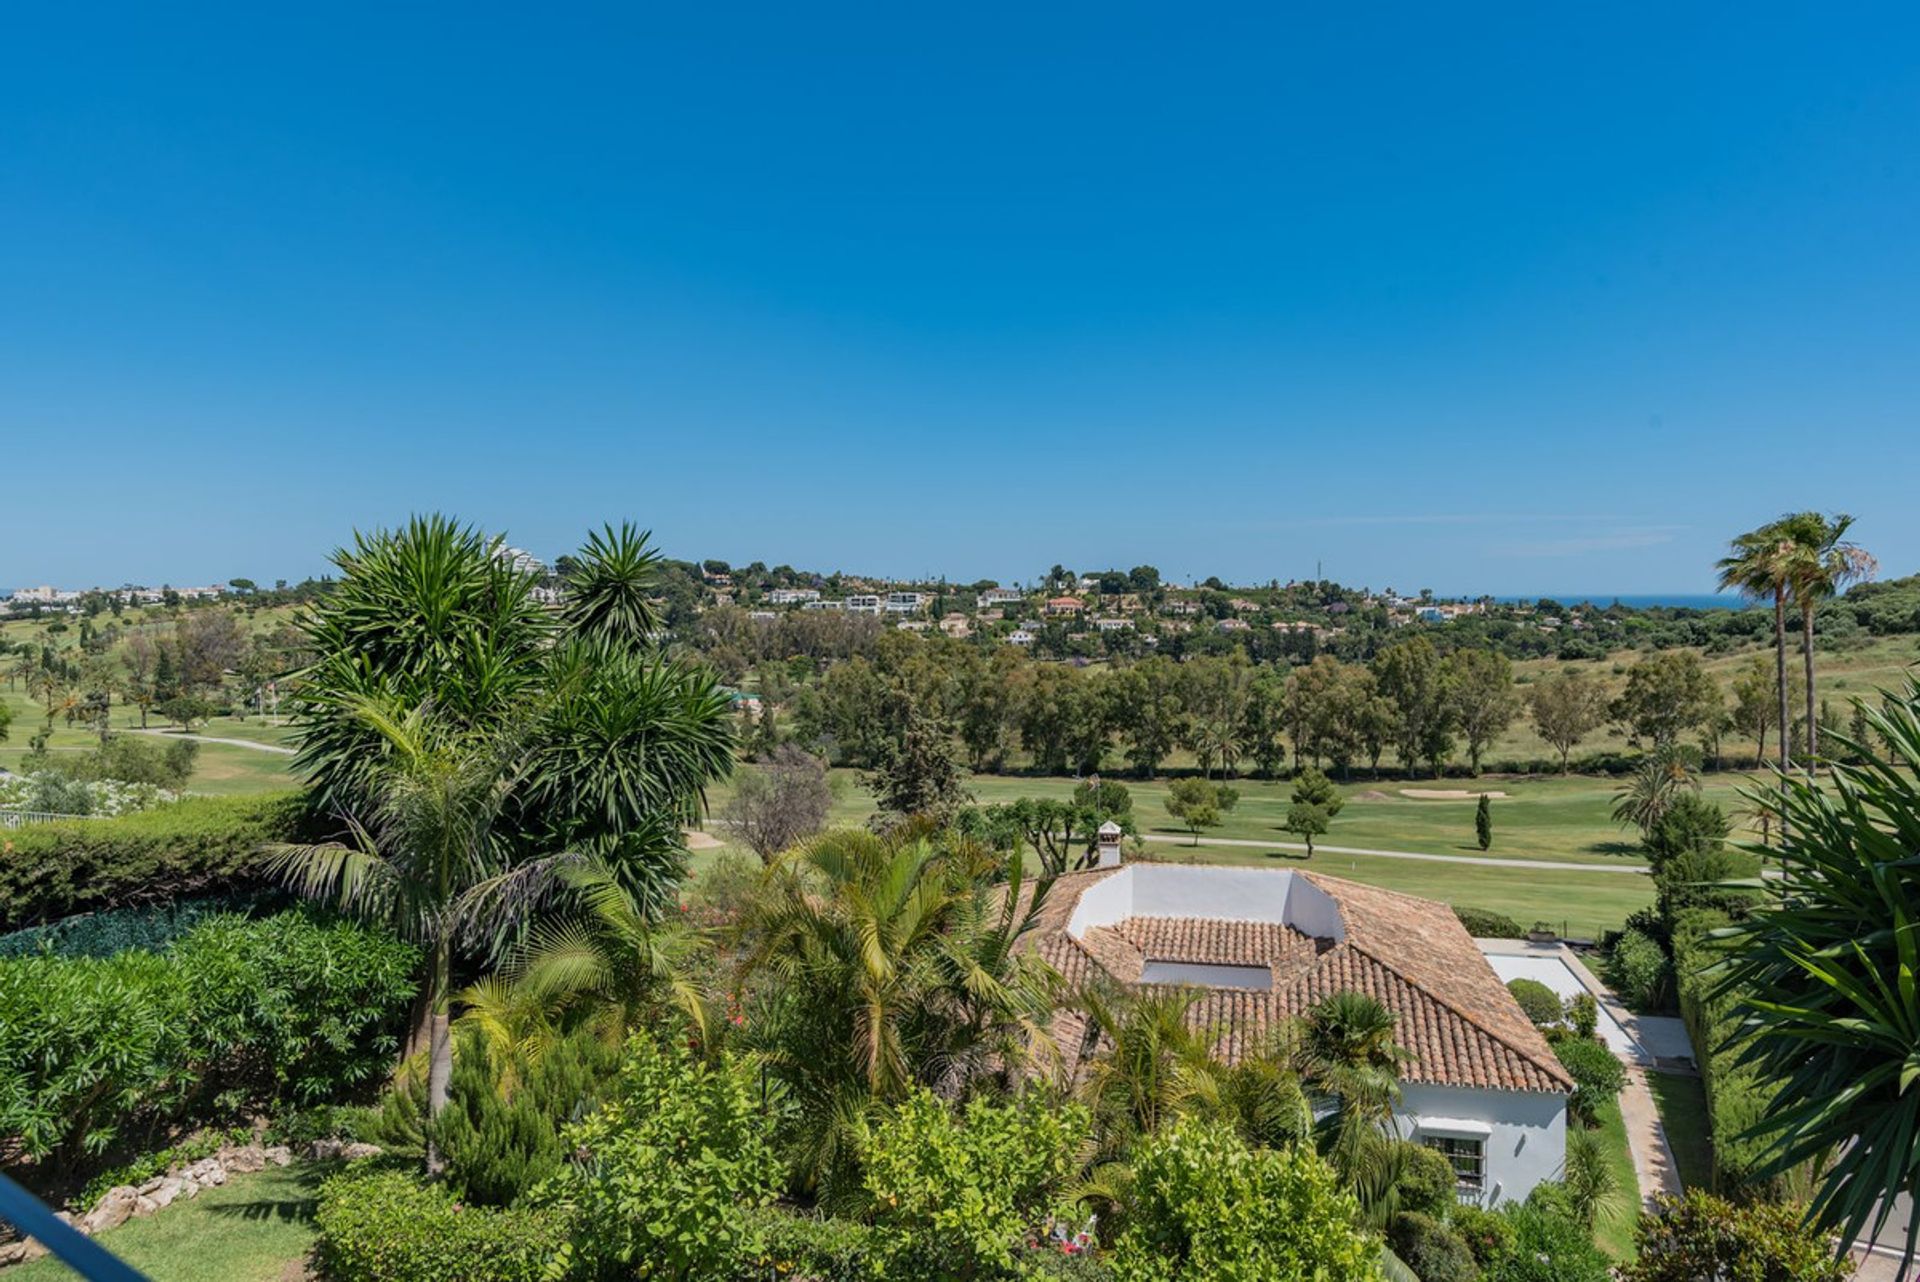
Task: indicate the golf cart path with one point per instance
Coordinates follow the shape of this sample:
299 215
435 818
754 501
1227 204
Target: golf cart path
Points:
207 738
1485 861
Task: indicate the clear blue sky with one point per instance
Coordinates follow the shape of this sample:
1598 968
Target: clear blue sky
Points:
1517 300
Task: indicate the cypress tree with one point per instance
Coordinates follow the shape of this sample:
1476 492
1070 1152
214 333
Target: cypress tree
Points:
1483 821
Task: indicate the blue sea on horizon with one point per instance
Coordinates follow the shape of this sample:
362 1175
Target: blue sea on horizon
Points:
1638 600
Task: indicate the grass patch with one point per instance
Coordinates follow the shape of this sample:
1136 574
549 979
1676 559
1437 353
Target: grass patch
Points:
1682 1102
1614 1230
250 1229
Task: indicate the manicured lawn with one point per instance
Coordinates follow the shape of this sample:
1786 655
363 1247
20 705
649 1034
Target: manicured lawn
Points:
1682 1102
1614 1231
255 1228
219 769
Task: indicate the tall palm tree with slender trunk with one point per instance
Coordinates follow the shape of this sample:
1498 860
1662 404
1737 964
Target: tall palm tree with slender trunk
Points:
424 860
1821 565
1759 566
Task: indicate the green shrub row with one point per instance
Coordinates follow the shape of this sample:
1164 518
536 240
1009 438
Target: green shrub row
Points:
197 846
1483 923
383 1225
239 1015
1736 1096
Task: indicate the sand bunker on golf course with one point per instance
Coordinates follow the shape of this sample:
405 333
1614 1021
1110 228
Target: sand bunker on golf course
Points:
1447 794
697 840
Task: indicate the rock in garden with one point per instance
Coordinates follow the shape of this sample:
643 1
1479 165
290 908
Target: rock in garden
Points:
166 1191
113 1209
280 1155
244 1160
208 1173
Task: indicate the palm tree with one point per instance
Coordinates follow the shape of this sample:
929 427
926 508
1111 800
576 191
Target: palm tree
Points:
1349 1055
611 955
1822 564
1649 792
1150 1061
1825 969
876 965
425 862
1758 566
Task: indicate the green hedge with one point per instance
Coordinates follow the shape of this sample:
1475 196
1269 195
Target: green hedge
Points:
97 1054
196 846
1484 923
382 1225
1736 1096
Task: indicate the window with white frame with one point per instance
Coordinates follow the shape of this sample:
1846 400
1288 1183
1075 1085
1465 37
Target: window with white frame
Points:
1468 1156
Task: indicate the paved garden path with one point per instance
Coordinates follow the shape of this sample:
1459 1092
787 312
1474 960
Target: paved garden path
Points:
207 738
1652 1157
1488 861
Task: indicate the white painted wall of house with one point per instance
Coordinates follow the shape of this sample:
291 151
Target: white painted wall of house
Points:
1527 1140
1219 894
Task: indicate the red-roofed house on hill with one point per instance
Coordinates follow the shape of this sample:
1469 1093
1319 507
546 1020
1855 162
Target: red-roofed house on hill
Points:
1265 945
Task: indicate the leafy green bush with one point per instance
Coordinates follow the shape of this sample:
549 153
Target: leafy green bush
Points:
667 1168
1432 1250
1640 971
1488 1234
1549 1244
501 1138
1427 1182
386 1226
814 1248
194 847
1583 1012
91 1051
239 1015
1541 1004
293 1008
1203 1205
1598 1076
1483 923
956 1193
1702 1236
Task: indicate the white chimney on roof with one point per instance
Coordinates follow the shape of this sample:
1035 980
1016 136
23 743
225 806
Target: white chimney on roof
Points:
1108 844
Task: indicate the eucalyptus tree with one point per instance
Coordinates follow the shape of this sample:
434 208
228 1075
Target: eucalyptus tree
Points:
1829 969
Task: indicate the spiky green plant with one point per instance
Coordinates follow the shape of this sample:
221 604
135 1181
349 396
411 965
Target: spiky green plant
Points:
1829 967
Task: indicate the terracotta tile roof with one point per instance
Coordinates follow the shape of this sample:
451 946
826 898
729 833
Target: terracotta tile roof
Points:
1411 955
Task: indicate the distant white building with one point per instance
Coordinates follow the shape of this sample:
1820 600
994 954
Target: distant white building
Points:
792 596
905 602
1020 636
823 604
521 561
997 596
1114 625
865 603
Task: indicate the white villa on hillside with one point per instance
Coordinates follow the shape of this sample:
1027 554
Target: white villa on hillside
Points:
1265 945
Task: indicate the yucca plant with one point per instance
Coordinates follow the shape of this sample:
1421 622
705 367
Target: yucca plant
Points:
1829 968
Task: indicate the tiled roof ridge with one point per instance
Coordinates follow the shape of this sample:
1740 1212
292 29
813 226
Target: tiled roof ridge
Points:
1550 1065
